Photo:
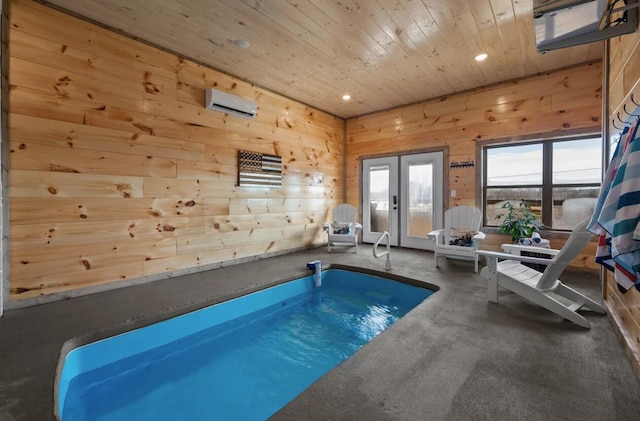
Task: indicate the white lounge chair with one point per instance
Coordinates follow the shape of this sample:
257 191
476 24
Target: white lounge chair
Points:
461 226
343 231
545 289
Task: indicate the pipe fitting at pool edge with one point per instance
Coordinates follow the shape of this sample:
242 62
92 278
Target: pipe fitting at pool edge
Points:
316 266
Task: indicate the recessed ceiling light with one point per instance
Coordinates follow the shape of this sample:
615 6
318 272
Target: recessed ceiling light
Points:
346 97
481 57
241 43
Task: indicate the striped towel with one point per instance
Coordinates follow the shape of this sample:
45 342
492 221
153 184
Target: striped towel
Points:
603 251
617 213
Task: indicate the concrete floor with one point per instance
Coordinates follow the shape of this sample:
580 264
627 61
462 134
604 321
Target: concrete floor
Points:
454 357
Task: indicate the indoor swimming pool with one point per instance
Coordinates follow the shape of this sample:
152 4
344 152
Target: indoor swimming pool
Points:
242 359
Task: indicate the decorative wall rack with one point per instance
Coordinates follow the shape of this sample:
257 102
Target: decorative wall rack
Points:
259 170
462 164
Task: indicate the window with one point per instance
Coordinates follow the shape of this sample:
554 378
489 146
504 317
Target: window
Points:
560 178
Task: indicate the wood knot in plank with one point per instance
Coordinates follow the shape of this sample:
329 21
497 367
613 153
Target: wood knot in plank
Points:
62 168
151 88
61 92
124 189
144 128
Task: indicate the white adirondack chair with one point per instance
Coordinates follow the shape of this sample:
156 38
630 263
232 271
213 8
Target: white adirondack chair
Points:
343 231
460 223
506 270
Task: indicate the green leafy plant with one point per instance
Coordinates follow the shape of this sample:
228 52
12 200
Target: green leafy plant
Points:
519 221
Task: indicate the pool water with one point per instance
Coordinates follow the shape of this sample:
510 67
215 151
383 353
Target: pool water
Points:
249 367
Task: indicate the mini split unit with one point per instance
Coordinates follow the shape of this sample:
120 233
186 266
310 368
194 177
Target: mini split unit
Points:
229 104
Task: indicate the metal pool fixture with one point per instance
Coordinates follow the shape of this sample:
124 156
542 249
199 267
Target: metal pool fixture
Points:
387 253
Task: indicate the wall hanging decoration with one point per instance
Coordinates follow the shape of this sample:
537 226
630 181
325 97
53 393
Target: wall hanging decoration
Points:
463 164
259 170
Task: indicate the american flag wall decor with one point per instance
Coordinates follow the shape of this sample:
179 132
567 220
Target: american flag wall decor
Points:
259 170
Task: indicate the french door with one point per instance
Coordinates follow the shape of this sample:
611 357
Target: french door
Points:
402 195
380 179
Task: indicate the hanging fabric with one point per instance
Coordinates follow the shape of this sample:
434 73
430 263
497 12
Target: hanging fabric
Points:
603 251
617 213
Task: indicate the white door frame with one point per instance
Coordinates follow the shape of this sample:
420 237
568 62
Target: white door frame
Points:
398 166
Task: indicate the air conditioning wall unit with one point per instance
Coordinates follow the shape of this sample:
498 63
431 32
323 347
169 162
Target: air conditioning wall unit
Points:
229 104
567 23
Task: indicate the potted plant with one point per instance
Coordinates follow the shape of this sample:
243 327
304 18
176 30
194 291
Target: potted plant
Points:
519 221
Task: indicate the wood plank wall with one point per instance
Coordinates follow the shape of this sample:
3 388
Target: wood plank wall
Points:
624 80
118 172
565 101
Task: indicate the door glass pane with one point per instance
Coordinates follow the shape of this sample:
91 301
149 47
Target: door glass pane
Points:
379 198
514 165
420 200
577 161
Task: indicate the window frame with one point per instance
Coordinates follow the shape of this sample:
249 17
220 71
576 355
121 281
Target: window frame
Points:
547 185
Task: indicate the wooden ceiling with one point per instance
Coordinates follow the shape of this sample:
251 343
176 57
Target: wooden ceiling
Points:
384 53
